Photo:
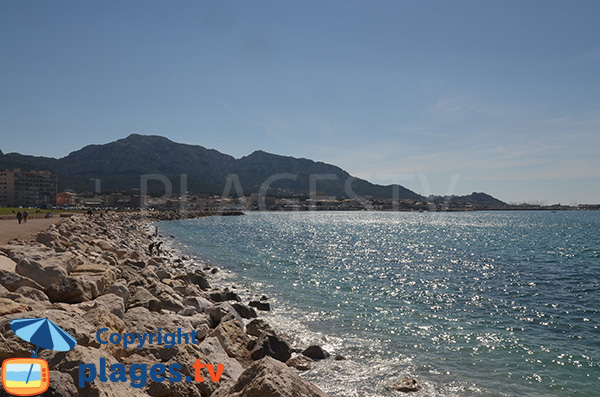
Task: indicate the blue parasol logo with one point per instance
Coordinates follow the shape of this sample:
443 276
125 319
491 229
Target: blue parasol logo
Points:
42 332
27 377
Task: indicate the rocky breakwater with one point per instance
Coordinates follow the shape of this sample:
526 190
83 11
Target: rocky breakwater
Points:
96 273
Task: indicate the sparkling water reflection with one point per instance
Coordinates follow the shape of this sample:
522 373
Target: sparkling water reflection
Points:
497 303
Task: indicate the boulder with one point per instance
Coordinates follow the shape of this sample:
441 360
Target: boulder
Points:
172 389
61 384
169 299
234 340
70 290
32 293
222 312
198 278
407 385
244 311
119 288
6 263
272 346
140 319
12 281
184 289
41 272
100 317
143 298
300 362
96 270
49 239
269 378
259 326
188 311
315 352
260 305
8 306
198 302
111 302
224 296
213 352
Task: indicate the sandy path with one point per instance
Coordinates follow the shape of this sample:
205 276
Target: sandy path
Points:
10 229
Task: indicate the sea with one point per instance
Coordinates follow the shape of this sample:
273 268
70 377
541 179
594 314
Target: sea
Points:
503 303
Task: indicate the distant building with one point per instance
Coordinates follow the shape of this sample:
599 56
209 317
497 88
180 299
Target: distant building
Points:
27 188
92 202
66 199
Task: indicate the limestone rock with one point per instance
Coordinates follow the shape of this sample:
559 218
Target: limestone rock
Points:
199 303
259 326
69 290
32 293
269 378
259 305
8 306
407 385
49 239
61 384
119 288
111 302
12 281
140 319
42 273
143 298
300 362
315 352
244 311
224 296
272 346
214 353
6 263
222 312
100 317
234 340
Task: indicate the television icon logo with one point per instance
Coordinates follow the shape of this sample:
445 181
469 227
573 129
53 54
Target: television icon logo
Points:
25 376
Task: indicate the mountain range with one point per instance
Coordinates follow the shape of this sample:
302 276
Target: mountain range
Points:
119 165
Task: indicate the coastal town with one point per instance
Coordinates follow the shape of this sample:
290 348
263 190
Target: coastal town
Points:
39 190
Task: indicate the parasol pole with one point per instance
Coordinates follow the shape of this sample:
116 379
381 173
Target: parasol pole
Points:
29 374
31 368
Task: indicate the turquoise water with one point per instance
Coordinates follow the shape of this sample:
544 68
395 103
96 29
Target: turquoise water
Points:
23 372
474 303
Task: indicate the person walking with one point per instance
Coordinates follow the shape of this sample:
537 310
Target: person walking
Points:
25 216
19 217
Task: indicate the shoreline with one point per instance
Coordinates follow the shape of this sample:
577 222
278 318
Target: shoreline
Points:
87 273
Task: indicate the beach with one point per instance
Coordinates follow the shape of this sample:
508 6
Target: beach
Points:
10 229
99 280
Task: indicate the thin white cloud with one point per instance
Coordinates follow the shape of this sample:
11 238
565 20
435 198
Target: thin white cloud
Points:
591 55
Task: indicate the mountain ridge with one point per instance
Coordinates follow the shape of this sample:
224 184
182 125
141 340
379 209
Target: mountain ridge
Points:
120 163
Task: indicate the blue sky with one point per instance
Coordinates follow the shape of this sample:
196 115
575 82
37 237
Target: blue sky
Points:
504 94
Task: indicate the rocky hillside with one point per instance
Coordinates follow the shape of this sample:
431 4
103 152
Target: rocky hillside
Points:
119 165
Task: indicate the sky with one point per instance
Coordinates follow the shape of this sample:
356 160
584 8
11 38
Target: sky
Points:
443 97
